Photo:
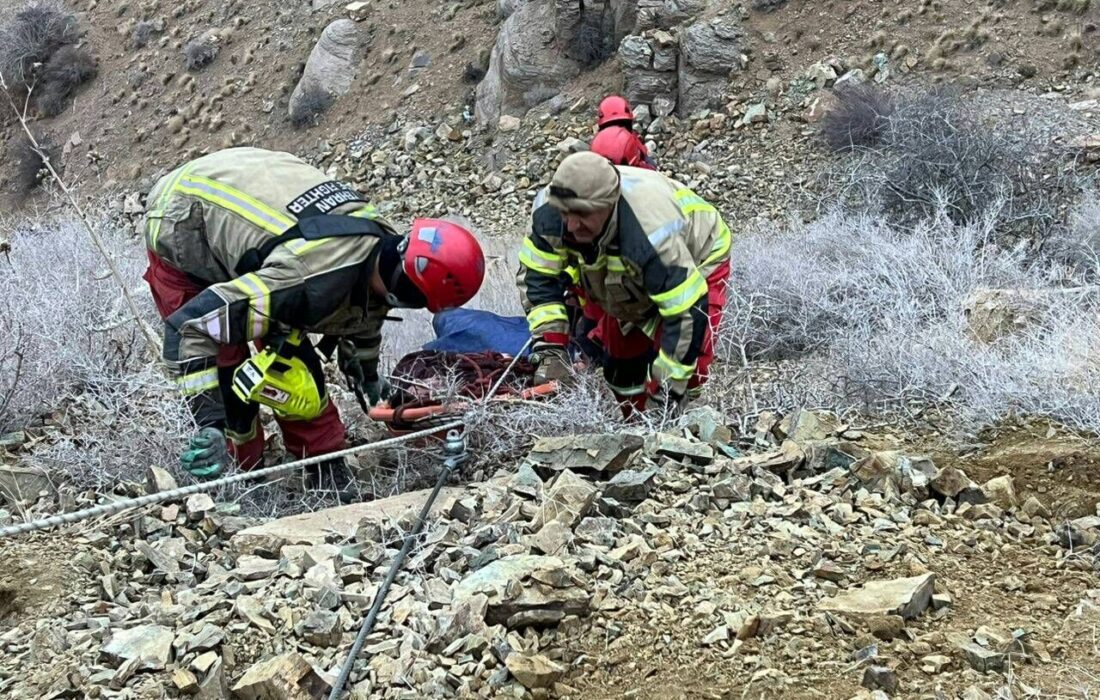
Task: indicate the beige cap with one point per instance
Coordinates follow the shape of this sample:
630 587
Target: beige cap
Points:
584 182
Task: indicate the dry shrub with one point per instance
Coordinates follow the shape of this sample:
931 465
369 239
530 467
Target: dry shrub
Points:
28 165
109 411
933 154
143 33
855 313
859 119
30 38
199 53
66 70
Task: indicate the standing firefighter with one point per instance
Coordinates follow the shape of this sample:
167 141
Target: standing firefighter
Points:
653 262
253 245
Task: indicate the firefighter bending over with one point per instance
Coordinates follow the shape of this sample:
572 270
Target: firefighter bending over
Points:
249 245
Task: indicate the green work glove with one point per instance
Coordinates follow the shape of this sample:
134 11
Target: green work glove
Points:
206 455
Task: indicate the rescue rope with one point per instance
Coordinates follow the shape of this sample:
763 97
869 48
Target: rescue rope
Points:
454 451
127 504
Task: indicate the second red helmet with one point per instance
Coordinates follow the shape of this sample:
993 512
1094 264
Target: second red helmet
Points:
613 109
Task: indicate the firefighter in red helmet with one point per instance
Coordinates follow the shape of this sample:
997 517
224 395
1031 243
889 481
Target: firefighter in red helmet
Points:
253 246
616 139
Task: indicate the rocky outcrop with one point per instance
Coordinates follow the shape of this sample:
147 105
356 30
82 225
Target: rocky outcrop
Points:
709 52
526 65
688 70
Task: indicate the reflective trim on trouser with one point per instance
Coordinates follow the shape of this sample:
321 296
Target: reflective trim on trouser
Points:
717 286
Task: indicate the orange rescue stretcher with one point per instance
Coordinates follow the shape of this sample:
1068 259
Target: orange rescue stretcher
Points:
433 388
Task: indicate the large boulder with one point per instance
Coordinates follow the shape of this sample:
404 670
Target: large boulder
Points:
712 46
710 50
330 69
527 64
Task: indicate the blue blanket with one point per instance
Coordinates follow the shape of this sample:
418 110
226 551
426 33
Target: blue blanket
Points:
471 330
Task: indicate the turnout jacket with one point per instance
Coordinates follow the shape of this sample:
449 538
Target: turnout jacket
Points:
204 217
648 269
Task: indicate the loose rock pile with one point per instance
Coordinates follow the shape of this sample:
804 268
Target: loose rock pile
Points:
802 554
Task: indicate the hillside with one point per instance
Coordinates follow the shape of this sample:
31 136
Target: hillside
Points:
887 488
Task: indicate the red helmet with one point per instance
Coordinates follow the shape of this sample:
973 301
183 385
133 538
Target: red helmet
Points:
620 146
445 262
613 109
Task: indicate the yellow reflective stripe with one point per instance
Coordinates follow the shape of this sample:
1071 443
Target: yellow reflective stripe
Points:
615 264
650 327
627 390
259 302
156 216
546 313
198 382
671 369
574 273
238 202
368 212
690 202
599 264
540 260
688 209
681 297
721 245
301 246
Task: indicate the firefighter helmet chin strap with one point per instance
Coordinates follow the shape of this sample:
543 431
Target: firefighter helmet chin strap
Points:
401 292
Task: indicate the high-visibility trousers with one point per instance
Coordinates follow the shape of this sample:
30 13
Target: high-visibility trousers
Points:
627 356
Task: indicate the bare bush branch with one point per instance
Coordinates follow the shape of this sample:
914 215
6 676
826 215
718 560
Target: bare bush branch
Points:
859 119
83 218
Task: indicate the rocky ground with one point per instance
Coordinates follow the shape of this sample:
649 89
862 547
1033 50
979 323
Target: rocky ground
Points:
804 559
799 558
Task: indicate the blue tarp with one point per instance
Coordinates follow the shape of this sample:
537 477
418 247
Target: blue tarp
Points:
471 330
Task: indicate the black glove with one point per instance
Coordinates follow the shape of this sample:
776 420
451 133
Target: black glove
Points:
363 374
551 363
